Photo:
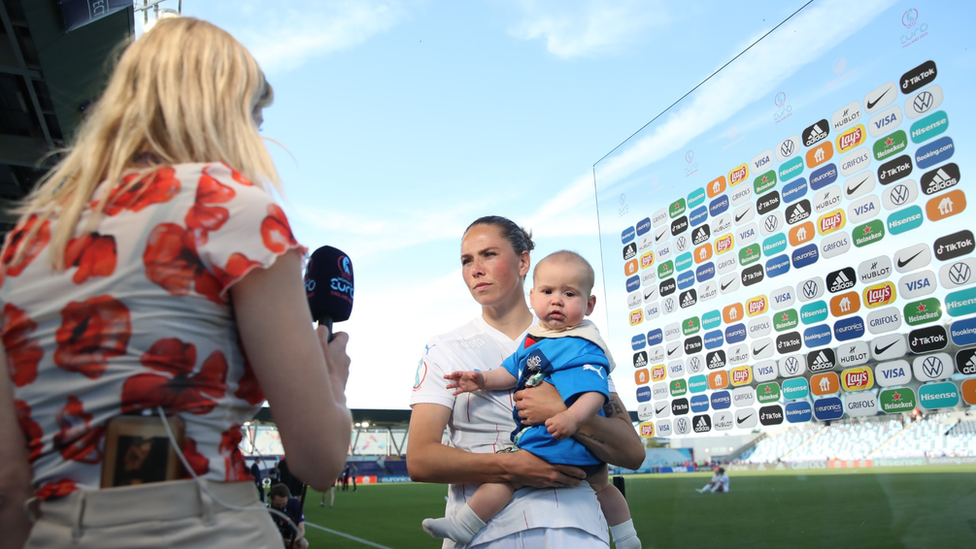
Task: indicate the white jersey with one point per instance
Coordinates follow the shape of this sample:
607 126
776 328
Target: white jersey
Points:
722 479
482 422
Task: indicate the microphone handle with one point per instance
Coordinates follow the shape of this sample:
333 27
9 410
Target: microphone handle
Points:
327 322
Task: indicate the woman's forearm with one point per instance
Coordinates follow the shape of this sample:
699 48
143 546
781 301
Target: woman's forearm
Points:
613 438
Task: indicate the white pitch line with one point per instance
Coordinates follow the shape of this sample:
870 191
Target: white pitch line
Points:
347 536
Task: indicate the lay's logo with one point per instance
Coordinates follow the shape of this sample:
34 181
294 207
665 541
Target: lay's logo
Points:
738 175
756 306
647 260
636 317
857 379
724 244
741 375
831 222
647 429
850 139
658 372
879 294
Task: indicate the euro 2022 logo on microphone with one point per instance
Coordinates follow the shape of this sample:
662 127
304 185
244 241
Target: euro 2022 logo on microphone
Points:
342 286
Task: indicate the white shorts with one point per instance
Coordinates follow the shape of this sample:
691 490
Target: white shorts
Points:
542 538
159 514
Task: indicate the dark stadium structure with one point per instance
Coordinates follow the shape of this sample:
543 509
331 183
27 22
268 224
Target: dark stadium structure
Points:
47 79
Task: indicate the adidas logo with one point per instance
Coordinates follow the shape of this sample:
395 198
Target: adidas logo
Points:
816 134
822 361
701 425
841 282
716 362
640 361
798 213
688 301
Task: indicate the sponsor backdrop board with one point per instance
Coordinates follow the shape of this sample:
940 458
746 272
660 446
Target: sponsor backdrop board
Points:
792 241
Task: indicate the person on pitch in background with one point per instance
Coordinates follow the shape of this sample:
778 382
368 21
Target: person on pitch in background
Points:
152 273
293 533
494 262
719 483
567 351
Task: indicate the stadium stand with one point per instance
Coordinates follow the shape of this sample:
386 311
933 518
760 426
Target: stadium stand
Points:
934 435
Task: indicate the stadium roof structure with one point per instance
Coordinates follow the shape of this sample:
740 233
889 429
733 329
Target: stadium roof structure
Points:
47 79
378 418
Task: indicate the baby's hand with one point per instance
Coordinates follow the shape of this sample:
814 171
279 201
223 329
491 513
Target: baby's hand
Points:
465 382
561 426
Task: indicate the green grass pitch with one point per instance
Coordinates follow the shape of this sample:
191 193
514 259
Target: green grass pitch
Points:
910 507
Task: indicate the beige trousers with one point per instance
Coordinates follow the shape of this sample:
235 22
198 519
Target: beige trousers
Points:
158 515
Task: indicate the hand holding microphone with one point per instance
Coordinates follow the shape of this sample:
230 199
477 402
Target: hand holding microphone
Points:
329 288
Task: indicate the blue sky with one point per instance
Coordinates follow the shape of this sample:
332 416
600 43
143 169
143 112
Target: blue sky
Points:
405 120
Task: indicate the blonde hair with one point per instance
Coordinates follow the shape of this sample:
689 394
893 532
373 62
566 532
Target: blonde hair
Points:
586 274
183 92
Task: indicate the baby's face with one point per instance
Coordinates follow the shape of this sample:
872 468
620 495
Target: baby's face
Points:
558 297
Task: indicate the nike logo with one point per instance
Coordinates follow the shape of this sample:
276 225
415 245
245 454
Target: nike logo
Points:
660 236
741 420
854 189
672 351
871 104
650 293
901 264
661 409
739 217
759 350
724 286
879 350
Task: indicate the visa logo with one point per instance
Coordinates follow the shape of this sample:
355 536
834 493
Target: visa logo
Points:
890 119
783 297
914 285
892 373
766 370
861 210
760 162
747 234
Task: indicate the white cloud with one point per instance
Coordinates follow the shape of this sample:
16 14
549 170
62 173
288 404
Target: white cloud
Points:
289 36
587 27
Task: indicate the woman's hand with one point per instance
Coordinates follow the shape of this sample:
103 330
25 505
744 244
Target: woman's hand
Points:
538 404
528 470
336 360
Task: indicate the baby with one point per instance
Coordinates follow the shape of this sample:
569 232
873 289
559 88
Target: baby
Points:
566 351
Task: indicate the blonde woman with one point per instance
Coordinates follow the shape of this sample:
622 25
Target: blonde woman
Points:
152 275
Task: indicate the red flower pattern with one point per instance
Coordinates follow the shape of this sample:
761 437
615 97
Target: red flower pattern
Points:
239 177
23 351
275 231
54 490
203 216
32 431
18 238
198 462
155 187
180 391
171 261
99 328
233 458
93 254
77 440
237 266
91 332
248 388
